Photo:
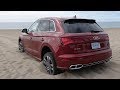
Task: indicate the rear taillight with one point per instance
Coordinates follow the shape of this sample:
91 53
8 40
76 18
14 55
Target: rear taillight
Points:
108 44
106 37
66 41
71 46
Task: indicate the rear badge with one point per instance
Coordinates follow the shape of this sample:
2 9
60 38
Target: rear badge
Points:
96 37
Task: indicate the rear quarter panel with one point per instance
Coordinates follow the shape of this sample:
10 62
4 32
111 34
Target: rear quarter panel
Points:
51 40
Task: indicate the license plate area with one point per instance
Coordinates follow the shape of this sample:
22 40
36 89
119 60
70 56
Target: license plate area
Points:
95 45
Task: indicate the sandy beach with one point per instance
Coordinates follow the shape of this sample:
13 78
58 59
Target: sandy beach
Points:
16 65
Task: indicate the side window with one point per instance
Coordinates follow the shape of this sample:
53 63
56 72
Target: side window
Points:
33 27
44 25
52 28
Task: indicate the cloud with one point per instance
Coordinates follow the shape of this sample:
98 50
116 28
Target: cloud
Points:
30 16
101 15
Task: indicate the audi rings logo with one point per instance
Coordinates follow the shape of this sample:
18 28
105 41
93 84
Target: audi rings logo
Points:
96 38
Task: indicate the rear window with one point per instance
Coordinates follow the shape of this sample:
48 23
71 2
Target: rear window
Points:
81 26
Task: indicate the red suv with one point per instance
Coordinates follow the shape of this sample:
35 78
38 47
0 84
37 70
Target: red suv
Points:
66 44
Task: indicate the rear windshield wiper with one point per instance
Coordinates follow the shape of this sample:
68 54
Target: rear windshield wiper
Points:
95 31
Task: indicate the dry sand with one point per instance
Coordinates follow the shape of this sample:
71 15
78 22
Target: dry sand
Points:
16 65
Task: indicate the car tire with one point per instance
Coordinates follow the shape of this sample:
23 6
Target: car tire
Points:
21 47
50 64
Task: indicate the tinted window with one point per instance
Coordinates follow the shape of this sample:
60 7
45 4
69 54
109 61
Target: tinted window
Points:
44 25
52 28
81 27
33 27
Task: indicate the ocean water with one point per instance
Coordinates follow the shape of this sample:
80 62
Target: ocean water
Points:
21 25
14 25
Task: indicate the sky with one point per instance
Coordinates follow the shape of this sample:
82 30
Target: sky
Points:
31 16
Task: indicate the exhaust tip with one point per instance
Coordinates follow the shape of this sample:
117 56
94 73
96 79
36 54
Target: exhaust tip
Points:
79 66
74 67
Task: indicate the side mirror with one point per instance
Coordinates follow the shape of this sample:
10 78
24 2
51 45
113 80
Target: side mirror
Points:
24 30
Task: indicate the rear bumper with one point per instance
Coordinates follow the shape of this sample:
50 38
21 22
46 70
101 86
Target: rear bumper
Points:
65 61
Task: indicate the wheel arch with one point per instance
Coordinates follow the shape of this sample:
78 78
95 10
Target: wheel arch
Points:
46 48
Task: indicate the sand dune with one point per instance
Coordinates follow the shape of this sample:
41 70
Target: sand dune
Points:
16 65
